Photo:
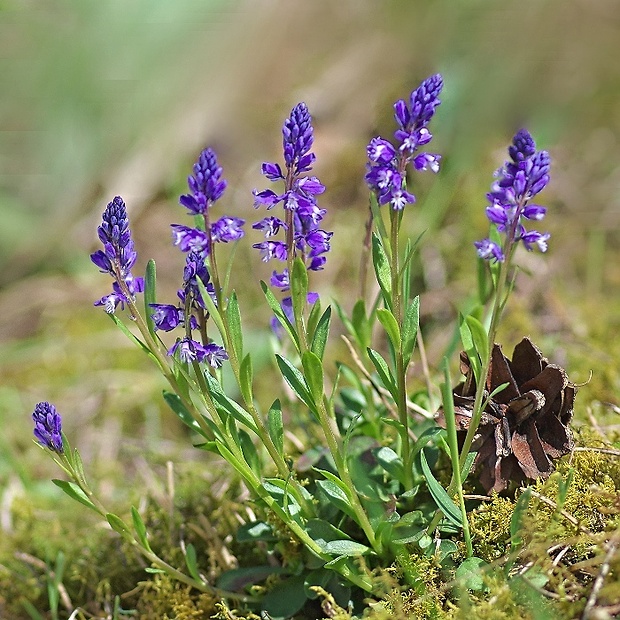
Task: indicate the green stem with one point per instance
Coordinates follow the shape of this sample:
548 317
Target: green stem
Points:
401 370
334 443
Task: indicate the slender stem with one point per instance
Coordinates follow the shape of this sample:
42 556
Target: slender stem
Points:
334 443
401 370
365 257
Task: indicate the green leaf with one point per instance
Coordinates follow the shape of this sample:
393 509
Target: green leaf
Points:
313 318
471 574
323 532
129 335
346 547
211 308
391 462
176 404
387 319
255 531
150 294
118 525
516 519
286 598
138 525
469 348
74 492
237 579
223 403
313 372
383 370
361 324
191 562
410 328
250 453
246 378
479 336
299 287
337 493
276 308
319 340
233 316
275 426
382 269
296 381
442 499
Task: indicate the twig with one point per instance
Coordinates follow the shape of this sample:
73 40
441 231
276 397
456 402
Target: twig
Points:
592 449
600 578
563 512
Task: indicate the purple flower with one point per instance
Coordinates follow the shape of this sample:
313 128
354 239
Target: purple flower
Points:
272 249
270 226
206 185
196 269
387 165
117 296
227 229
166 316
47 427
190 350
521 178
190 239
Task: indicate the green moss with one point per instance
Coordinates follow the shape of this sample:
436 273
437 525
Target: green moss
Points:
167 599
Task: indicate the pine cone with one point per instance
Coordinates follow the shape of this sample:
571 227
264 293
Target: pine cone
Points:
525 425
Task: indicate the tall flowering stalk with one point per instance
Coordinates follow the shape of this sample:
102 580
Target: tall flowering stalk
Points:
387 177
303 237
518 181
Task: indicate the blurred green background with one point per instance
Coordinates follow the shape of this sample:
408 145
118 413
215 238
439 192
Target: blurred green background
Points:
119 97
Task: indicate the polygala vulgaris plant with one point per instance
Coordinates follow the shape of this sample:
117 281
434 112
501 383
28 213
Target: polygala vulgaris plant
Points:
365 497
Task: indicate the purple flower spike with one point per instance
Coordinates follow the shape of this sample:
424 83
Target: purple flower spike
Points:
206 185
517 182
297 139
387 164
298 200
47 427
118 256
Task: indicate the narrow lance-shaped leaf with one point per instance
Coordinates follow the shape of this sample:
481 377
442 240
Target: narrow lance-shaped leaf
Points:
140 528
296 381
441 497
387 319
74 492
233 317
313 371
382 269
383 370
150 294
191 562
275 426
410 328
276 308
321 333
361 324
299 287
246 378
468 346
479 336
